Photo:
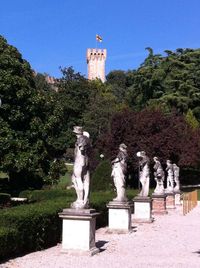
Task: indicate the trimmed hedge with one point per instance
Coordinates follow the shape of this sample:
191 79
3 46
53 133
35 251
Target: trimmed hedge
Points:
9 238
35 226
4 198
39 195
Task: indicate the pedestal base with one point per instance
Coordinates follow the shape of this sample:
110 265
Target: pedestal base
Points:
177 198
77 252
119 217
159 204
78 231
142 210
170 201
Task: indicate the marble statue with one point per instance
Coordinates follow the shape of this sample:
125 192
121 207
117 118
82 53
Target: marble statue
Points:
159 176
81 175
176 170
144 173
119 168
170 176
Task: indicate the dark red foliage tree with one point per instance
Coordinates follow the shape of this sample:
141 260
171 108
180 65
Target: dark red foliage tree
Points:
161 135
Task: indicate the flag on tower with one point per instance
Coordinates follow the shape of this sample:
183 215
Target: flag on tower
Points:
98 38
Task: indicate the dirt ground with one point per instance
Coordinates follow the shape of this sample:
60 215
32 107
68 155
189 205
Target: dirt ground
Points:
172 240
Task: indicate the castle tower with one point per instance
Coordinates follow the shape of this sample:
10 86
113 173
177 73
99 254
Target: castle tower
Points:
96 63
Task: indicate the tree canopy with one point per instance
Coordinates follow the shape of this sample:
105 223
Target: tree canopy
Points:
165 136
155 108
25 120
170 81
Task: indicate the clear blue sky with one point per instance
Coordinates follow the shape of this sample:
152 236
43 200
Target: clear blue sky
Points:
53 33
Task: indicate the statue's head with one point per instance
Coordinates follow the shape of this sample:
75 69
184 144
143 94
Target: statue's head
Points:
78 130
86 134
141 154
155 158
122 147
168 162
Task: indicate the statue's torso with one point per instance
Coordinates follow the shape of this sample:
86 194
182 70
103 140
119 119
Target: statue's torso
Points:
81 151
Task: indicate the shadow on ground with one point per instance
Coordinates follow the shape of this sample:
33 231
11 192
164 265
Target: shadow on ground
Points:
100 245
197 252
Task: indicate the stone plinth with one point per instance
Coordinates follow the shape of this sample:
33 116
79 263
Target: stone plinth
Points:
170 200
159 204
119 216
177 198
142 209
78 231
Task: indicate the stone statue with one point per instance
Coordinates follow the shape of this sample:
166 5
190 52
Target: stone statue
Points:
159 176
144 173
176 170
119 168
170 176
81 175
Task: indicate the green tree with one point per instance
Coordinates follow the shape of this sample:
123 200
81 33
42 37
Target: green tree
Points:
27 118
41 82
100 109
117 77
170 81
22 152
70 103
118 82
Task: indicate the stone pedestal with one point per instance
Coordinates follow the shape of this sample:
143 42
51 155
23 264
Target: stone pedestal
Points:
159 204
177 198
142 209
119 216
170 200
78 231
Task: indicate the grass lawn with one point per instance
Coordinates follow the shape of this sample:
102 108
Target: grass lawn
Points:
64 181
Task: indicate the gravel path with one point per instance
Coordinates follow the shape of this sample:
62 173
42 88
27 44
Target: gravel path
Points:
172 240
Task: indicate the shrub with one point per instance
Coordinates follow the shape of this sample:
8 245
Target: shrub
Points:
99 201
101 178
4 183
4 198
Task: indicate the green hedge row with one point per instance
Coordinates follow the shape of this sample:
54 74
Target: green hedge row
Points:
9 238
35 226
32 226
39 195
